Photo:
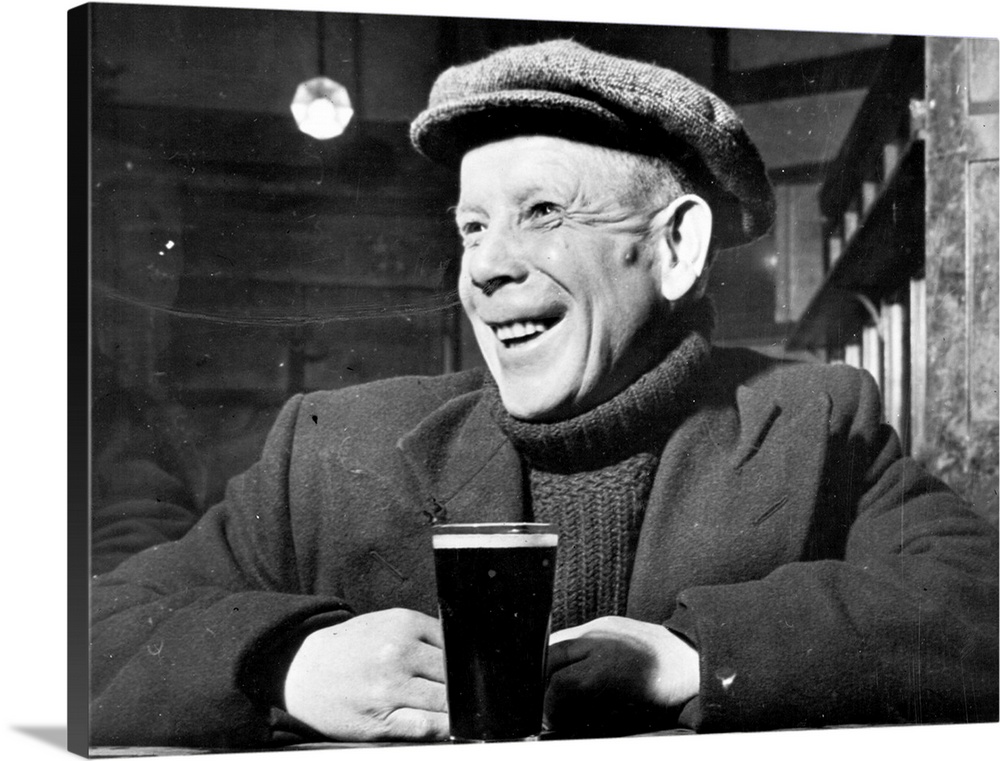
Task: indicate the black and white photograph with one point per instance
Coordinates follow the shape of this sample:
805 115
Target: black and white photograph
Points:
466 379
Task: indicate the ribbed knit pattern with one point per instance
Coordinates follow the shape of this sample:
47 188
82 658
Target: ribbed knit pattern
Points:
591 475
598 514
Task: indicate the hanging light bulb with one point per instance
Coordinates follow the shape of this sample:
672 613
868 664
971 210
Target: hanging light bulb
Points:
322 108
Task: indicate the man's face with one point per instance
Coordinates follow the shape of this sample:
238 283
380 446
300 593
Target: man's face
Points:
557 276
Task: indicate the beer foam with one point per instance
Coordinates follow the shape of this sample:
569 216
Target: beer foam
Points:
492 541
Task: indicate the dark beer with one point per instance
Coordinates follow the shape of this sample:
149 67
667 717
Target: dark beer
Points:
495 597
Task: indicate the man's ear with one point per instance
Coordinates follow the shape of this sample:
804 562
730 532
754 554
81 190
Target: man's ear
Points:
684 232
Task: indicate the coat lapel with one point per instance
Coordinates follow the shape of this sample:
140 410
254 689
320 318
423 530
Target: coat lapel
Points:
467 468
780 468
733 498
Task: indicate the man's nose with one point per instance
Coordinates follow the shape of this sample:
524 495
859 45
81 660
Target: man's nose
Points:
497 261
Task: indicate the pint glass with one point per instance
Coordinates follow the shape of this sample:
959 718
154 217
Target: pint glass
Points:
494 584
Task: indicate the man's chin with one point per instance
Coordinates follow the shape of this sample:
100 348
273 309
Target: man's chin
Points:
542 392
533 407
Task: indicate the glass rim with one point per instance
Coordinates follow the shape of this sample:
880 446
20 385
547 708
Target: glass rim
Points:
511 527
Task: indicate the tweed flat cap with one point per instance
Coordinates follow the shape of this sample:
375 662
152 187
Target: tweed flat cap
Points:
565 89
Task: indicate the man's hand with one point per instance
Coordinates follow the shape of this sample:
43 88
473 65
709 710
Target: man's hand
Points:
377 676
616 671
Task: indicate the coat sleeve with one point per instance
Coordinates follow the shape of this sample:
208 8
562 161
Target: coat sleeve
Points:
189 639
898 626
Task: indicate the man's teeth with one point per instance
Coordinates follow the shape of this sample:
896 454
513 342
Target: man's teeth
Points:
513 330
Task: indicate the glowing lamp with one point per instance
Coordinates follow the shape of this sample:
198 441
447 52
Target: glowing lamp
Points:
322 108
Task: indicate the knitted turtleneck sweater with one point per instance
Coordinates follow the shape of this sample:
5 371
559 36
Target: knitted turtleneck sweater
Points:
590 475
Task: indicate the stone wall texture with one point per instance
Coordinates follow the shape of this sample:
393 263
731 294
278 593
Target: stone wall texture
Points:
961 413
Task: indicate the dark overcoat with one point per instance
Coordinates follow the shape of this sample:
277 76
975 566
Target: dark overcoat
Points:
824 578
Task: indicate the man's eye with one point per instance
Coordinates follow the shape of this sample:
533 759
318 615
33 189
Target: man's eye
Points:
543 209
471 228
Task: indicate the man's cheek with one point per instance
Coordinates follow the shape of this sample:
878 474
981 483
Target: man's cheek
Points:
465 293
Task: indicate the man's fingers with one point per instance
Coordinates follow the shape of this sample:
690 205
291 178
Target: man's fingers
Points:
419 626
565 679
417 724
424 694
432 635
352 680
564 635
566 652
427 629
428 662
565 647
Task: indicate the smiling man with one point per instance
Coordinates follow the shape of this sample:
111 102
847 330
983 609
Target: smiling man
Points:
742 544
567 279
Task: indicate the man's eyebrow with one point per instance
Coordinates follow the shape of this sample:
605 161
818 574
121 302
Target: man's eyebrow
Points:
535 189
461 208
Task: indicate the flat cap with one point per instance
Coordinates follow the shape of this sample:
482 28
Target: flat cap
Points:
565 89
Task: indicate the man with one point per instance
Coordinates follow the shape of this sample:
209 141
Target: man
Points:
742 544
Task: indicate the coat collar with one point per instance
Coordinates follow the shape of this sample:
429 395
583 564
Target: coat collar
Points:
469 470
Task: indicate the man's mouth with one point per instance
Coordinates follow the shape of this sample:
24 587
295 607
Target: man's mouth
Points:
519 332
